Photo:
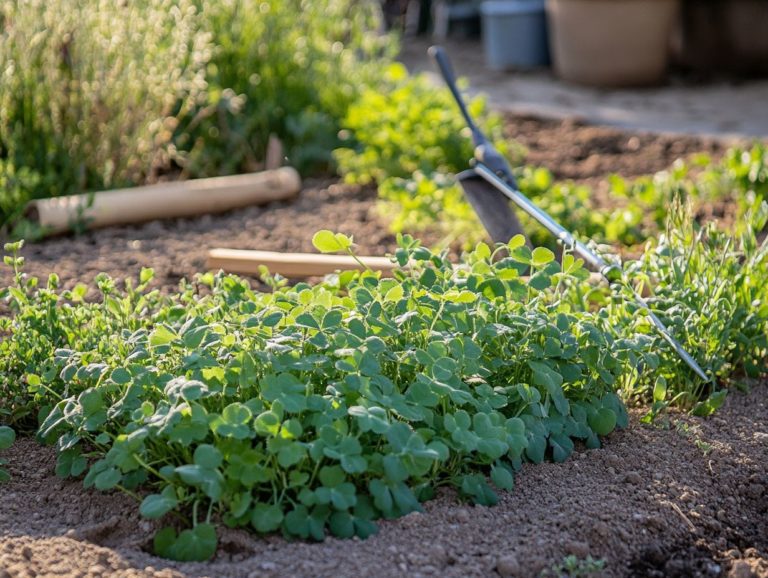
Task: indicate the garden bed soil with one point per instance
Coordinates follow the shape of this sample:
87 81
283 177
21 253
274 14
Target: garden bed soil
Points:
688 497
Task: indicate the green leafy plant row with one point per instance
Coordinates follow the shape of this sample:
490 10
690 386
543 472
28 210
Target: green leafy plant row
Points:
321 408
311 408
639 209
710 287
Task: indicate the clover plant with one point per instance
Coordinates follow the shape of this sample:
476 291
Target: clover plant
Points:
312 408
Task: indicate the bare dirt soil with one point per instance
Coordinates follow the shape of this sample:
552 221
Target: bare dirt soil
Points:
684 498
572 149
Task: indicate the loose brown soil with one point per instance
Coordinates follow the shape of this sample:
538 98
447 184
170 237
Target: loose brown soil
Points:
689 499
586 153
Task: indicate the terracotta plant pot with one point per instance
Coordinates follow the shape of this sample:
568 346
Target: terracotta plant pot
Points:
611 42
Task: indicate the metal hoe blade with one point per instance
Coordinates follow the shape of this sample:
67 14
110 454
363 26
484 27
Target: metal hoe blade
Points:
494 169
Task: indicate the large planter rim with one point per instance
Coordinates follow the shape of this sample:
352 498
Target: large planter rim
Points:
611 43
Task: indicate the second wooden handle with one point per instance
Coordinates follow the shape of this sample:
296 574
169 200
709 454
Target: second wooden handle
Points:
293 265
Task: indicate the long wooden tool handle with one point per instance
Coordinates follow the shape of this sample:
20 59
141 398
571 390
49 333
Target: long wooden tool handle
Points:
294 265
164 200
302 265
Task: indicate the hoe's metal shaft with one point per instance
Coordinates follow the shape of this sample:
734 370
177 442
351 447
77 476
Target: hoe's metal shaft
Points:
495 170
611 273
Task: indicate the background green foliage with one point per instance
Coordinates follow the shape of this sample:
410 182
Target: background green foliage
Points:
97 94
90 91
639 209
409 124
288 68
408 137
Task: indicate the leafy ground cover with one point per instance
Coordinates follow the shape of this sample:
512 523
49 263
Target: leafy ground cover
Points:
313 406
616 504
329 406
123 238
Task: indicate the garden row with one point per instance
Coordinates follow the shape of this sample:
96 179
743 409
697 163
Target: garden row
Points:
322 407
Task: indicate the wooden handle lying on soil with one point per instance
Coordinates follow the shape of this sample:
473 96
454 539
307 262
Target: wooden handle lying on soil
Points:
294 265
299 265
164 200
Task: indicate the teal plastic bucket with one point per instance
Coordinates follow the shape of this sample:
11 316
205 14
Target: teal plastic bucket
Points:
514 34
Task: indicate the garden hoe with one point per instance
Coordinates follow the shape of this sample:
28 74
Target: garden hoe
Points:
488 185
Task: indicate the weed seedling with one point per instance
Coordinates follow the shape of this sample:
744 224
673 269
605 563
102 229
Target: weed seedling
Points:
574 567
693 434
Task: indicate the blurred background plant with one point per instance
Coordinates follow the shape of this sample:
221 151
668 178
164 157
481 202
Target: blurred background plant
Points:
408 137
289 68
97 94
90 92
